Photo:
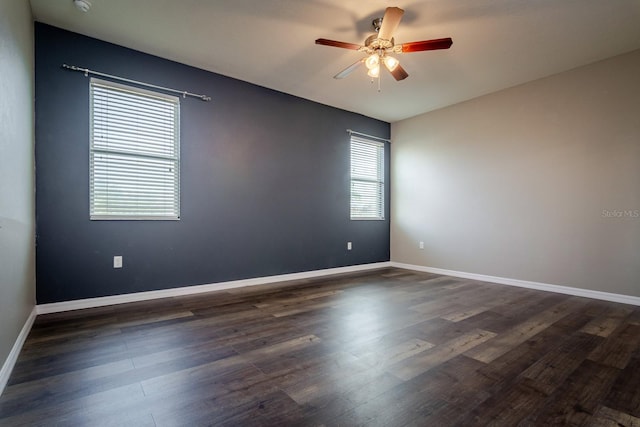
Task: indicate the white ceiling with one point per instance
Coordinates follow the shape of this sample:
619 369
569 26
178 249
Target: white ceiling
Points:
496 43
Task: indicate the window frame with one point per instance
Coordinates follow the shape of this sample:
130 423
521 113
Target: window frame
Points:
379 180
174 159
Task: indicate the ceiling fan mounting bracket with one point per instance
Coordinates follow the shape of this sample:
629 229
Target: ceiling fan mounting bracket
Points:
376 24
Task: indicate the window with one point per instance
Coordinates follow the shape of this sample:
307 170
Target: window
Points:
367 178
134 167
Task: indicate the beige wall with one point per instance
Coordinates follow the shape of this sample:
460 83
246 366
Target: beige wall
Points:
17 217
514 184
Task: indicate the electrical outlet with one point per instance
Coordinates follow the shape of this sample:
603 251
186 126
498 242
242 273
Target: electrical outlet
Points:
349 246
117 261
421 245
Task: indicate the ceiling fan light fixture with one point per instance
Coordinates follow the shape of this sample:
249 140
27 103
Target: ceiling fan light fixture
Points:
372 61
378 45
391 63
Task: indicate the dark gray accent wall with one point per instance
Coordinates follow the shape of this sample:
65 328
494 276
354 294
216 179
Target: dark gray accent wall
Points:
264 182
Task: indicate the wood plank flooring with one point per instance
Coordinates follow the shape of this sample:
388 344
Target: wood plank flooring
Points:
388 347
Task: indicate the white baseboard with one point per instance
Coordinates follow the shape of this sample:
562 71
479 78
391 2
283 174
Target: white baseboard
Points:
587 293
12 358
57 307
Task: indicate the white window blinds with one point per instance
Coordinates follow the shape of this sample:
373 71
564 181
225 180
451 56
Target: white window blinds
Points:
134 153
367 178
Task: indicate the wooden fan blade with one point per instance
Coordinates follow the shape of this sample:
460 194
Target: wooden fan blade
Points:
399 73
350 69
390 22
434 44
334 43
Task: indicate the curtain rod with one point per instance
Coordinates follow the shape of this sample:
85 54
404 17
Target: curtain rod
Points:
87 71
369 136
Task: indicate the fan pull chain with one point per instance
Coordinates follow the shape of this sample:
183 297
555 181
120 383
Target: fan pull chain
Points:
372 81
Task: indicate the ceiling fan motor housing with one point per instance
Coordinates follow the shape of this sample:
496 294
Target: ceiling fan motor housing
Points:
373 42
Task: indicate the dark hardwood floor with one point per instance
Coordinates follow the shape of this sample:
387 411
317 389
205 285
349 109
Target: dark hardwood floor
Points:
383 348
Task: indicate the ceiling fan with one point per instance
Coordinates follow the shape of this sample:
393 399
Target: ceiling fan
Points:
379 46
